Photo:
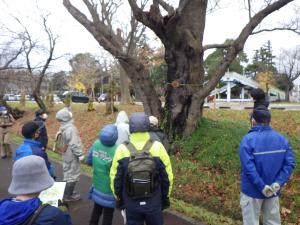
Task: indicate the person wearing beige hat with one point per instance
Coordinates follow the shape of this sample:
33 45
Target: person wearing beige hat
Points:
158 134
30 177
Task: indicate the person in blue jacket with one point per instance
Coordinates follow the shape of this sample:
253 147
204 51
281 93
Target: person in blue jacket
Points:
29 178
30 146
100 157
267 163
41 117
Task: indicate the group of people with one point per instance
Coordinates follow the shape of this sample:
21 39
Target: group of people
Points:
132 170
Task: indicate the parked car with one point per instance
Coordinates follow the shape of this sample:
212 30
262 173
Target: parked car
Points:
10 97
102 97
56 98
76 96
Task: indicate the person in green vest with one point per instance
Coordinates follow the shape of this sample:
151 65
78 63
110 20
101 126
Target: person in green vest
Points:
100 156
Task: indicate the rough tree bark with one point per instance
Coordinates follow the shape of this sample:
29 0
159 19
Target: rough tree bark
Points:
181 31
124 83
109 40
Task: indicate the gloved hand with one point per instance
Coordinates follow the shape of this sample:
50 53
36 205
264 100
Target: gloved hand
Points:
81 158
119 204
63 206
267 191
165 203
275 187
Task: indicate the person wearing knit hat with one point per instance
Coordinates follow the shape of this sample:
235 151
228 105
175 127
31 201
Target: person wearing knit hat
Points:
31 145
72 155
29 178
41 116
158 134
100 157
6 122
267 163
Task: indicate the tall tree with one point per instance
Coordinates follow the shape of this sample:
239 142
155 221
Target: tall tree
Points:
38 71
289 69
181 31
59 81
86 70
263 60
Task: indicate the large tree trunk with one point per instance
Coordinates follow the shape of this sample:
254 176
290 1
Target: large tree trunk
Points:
124 86
140 78
37 95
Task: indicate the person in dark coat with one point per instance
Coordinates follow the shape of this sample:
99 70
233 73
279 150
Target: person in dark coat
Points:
158 134
133 193
29 178
31 146
41 116
259 98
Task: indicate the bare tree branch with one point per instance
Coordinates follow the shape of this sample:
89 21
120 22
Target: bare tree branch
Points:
239 44
170 10
295 30
211 46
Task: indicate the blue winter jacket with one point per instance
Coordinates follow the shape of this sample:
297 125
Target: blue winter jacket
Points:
43 138
32 147
15 212
266 157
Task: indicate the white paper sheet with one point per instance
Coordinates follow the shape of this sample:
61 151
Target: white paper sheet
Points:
53 194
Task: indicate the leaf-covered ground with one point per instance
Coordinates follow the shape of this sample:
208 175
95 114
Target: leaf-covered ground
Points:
206 164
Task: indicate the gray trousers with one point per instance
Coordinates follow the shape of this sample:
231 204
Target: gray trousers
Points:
252 208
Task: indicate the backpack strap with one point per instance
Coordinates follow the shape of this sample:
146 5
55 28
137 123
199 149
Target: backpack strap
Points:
148 145
36 213
133 151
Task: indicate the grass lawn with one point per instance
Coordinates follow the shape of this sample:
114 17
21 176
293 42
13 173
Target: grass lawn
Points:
206 164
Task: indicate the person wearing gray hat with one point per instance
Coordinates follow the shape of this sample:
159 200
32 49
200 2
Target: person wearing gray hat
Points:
30 177
72 153
267 163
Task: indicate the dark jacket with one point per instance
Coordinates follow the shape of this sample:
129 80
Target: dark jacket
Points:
43 139
32 147
16 212
266 157
119 170
261 103
157 134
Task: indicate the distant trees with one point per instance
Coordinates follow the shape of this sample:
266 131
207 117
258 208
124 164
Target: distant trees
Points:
212 60
263 60
288 69
59 81
86 70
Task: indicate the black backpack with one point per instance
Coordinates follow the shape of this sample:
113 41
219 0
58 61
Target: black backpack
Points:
142 177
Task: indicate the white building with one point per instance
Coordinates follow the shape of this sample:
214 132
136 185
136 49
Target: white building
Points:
237 88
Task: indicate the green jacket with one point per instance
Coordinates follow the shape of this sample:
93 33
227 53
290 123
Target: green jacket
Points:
102 157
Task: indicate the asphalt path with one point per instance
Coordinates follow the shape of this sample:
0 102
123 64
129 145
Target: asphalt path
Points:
80 211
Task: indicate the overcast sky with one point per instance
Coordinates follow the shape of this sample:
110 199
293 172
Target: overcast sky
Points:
225 23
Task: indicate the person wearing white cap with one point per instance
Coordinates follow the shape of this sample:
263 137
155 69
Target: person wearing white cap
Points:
157 134
30 177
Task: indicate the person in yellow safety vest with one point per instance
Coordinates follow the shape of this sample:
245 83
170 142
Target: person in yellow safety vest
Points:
141 175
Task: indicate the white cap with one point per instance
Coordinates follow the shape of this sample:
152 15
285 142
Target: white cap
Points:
153 121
